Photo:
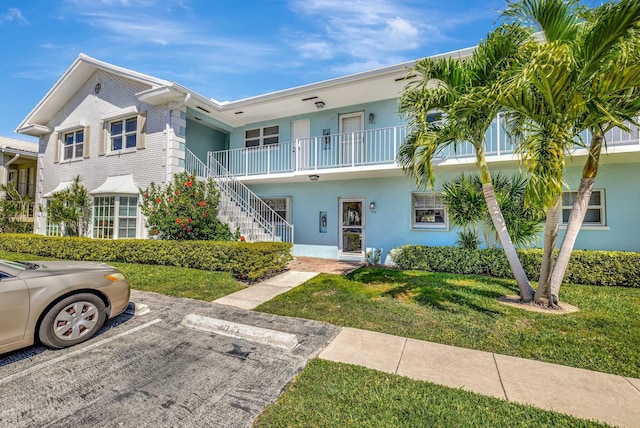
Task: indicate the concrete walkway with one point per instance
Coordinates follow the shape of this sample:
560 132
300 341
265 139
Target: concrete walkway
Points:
582 393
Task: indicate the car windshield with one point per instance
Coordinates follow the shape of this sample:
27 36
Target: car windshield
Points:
15 265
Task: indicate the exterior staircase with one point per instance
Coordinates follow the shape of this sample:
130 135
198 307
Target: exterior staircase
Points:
239 207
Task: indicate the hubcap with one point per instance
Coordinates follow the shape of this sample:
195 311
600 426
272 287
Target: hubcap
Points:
76 320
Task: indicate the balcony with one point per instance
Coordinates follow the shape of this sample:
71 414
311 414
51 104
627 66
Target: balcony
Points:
369 149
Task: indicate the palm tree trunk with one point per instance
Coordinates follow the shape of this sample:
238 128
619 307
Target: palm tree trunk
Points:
578 211
543 292
526 290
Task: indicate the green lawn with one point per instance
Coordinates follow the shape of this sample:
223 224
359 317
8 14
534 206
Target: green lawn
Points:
169 280
329 394
464 311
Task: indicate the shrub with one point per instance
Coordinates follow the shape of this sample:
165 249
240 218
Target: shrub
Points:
246 261
186 208
607 268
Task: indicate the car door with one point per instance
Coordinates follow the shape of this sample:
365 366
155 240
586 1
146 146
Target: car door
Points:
14 308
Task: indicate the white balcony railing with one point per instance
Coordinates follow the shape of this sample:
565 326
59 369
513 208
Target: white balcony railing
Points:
364 148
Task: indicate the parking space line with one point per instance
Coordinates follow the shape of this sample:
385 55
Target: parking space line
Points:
79 351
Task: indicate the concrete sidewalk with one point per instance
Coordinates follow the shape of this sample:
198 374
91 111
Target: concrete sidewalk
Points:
582 393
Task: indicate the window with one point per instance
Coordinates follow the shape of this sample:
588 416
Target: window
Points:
127 216
123 130
108 225
73 145
595 215
281 206
51 229
123 134
428 211
262 136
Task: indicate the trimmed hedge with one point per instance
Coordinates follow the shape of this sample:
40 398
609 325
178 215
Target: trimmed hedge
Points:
246 261
608 268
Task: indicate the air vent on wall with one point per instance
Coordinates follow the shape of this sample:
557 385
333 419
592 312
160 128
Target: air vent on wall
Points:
203 109
309 98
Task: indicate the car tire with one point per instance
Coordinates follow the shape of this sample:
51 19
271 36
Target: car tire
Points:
72 320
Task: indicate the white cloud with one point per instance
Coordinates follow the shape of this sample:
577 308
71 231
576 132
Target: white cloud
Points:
11 15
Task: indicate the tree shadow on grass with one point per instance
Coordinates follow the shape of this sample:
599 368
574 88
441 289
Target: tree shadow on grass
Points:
439 291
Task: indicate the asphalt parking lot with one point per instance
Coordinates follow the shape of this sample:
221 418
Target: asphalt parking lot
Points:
151 371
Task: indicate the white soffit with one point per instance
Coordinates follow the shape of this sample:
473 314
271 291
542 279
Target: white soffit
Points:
117 185
63 185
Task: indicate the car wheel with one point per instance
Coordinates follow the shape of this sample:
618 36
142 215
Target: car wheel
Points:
72 320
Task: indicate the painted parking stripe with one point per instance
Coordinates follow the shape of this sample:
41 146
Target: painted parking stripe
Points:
74 353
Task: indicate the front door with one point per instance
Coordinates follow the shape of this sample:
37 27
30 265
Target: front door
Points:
352 226
351 138
300 135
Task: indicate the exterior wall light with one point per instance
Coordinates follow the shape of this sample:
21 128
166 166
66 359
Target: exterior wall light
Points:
372 207
372 118
319 104
314 177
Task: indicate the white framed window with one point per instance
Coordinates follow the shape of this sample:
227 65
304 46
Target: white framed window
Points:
73 144
115 217
282 206
262 136
428 211
122 131
127 216
595 215
50 229
123 134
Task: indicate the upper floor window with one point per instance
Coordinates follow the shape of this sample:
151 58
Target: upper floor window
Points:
123 134
73 145
428 211
72 141
123 130
595 215
262 136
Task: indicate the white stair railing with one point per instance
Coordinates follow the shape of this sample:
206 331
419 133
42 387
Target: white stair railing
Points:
239 207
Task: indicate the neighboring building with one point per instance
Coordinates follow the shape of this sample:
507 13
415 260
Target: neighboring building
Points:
320 157
18 167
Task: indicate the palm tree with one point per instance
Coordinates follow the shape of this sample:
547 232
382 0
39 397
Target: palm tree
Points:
584 75
467 209
440 88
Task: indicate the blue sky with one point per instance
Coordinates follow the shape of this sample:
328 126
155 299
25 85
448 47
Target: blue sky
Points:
224 49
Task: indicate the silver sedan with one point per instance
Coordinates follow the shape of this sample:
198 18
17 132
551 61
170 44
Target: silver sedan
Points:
58 303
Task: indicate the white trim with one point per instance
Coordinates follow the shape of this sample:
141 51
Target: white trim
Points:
117 185
71 125
117 114
431 227
63 185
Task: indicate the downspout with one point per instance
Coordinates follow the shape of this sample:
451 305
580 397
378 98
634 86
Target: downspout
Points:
168 133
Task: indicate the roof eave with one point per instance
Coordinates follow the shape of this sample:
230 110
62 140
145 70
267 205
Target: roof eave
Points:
34 130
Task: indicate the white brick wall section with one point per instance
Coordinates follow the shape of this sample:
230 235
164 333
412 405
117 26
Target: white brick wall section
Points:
117 93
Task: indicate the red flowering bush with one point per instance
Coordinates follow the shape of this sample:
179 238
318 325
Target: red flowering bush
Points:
186 208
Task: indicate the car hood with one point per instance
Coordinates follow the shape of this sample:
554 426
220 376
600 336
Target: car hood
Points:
48 268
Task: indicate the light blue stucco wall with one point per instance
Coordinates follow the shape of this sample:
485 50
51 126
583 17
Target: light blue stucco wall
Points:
622 205
385 115
202 139
390 225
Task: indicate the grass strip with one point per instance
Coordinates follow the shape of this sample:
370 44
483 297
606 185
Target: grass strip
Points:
329 394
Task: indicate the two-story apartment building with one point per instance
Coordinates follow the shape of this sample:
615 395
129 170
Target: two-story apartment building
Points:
314 165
